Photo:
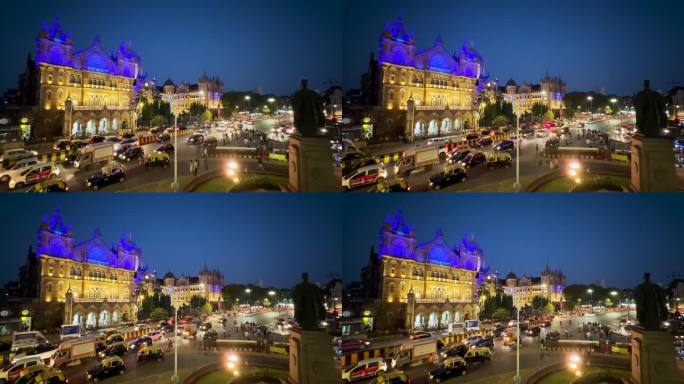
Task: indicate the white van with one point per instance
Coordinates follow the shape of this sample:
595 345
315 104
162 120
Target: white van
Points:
71 332
472 325
30 339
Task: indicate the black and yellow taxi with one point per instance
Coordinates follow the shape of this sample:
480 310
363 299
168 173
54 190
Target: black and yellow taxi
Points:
42 375
50 185
394 377
396 184
108 367
448 368
478 355
150 353
499 160
157 159
452 174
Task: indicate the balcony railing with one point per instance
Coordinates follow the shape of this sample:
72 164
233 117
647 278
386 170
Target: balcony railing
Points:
100 300
101 107
442 300
441 108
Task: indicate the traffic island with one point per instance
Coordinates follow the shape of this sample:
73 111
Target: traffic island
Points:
218 181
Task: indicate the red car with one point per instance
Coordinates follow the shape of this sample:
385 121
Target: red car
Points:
351 345
420 335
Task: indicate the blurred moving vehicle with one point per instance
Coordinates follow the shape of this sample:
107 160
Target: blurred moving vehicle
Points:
34 174
396 184
450 175
364 369
450 367
50 185
109 174
17 154
94 154
150 353
364 176
13 371
157 159
108 367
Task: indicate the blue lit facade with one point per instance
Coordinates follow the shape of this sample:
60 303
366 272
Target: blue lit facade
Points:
78 93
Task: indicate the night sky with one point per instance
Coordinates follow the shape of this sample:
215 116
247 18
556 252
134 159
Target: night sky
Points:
270 43
613 45
605 238
249 237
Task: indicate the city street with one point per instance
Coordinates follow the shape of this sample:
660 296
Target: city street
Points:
531 355
533 164
191 355
159 179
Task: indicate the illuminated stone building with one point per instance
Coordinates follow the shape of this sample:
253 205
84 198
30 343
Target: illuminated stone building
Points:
549 92
79 92
549 284
420 93
207 91
101 278
207 284
426 285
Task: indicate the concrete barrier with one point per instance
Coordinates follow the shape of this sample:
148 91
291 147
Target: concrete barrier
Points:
54 157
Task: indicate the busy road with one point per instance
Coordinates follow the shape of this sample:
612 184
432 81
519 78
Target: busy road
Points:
141 174
536 351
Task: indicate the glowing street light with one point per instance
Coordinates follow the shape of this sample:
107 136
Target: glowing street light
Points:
591 295
249 101
249 298
591 104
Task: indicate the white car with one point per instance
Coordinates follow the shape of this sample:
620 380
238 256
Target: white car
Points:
16 169
155 335
368 174
17 154
34 174
13 371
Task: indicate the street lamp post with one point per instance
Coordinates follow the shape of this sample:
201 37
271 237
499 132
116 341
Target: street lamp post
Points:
174 186
591 297
249 299
270 101
516 379
271 294
175 379
249 100
516 185
591 106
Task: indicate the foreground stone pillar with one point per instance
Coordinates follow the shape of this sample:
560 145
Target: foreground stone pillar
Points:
311 165
653 357
653 168
312 360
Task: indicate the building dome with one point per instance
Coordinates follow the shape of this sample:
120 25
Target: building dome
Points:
511 83
169 275
511 275
168 82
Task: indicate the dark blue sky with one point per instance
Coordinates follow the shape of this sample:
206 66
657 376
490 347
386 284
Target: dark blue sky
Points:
271 43
594 237
249 237
613 44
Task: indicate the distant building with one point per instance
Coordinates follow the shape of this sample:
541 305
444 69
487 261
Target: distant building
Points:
414 285
549 284
64 92
207 91
549 92
207 284
418 94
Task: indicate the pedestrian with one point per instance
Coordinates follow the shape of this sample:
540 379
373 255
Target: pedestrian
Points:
192 167
196 166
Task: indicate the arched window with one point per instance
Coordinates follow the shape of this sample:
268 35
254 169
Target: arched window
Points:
48 287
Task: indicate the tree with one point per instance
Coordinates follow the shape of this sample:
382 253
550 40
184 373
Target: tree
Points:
159 314
500 121
539 110
500 314
549 116
549 308
150 110
493 110
207 308
196 109
156 300
206 115
158 121
499 302
539 302
196 301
